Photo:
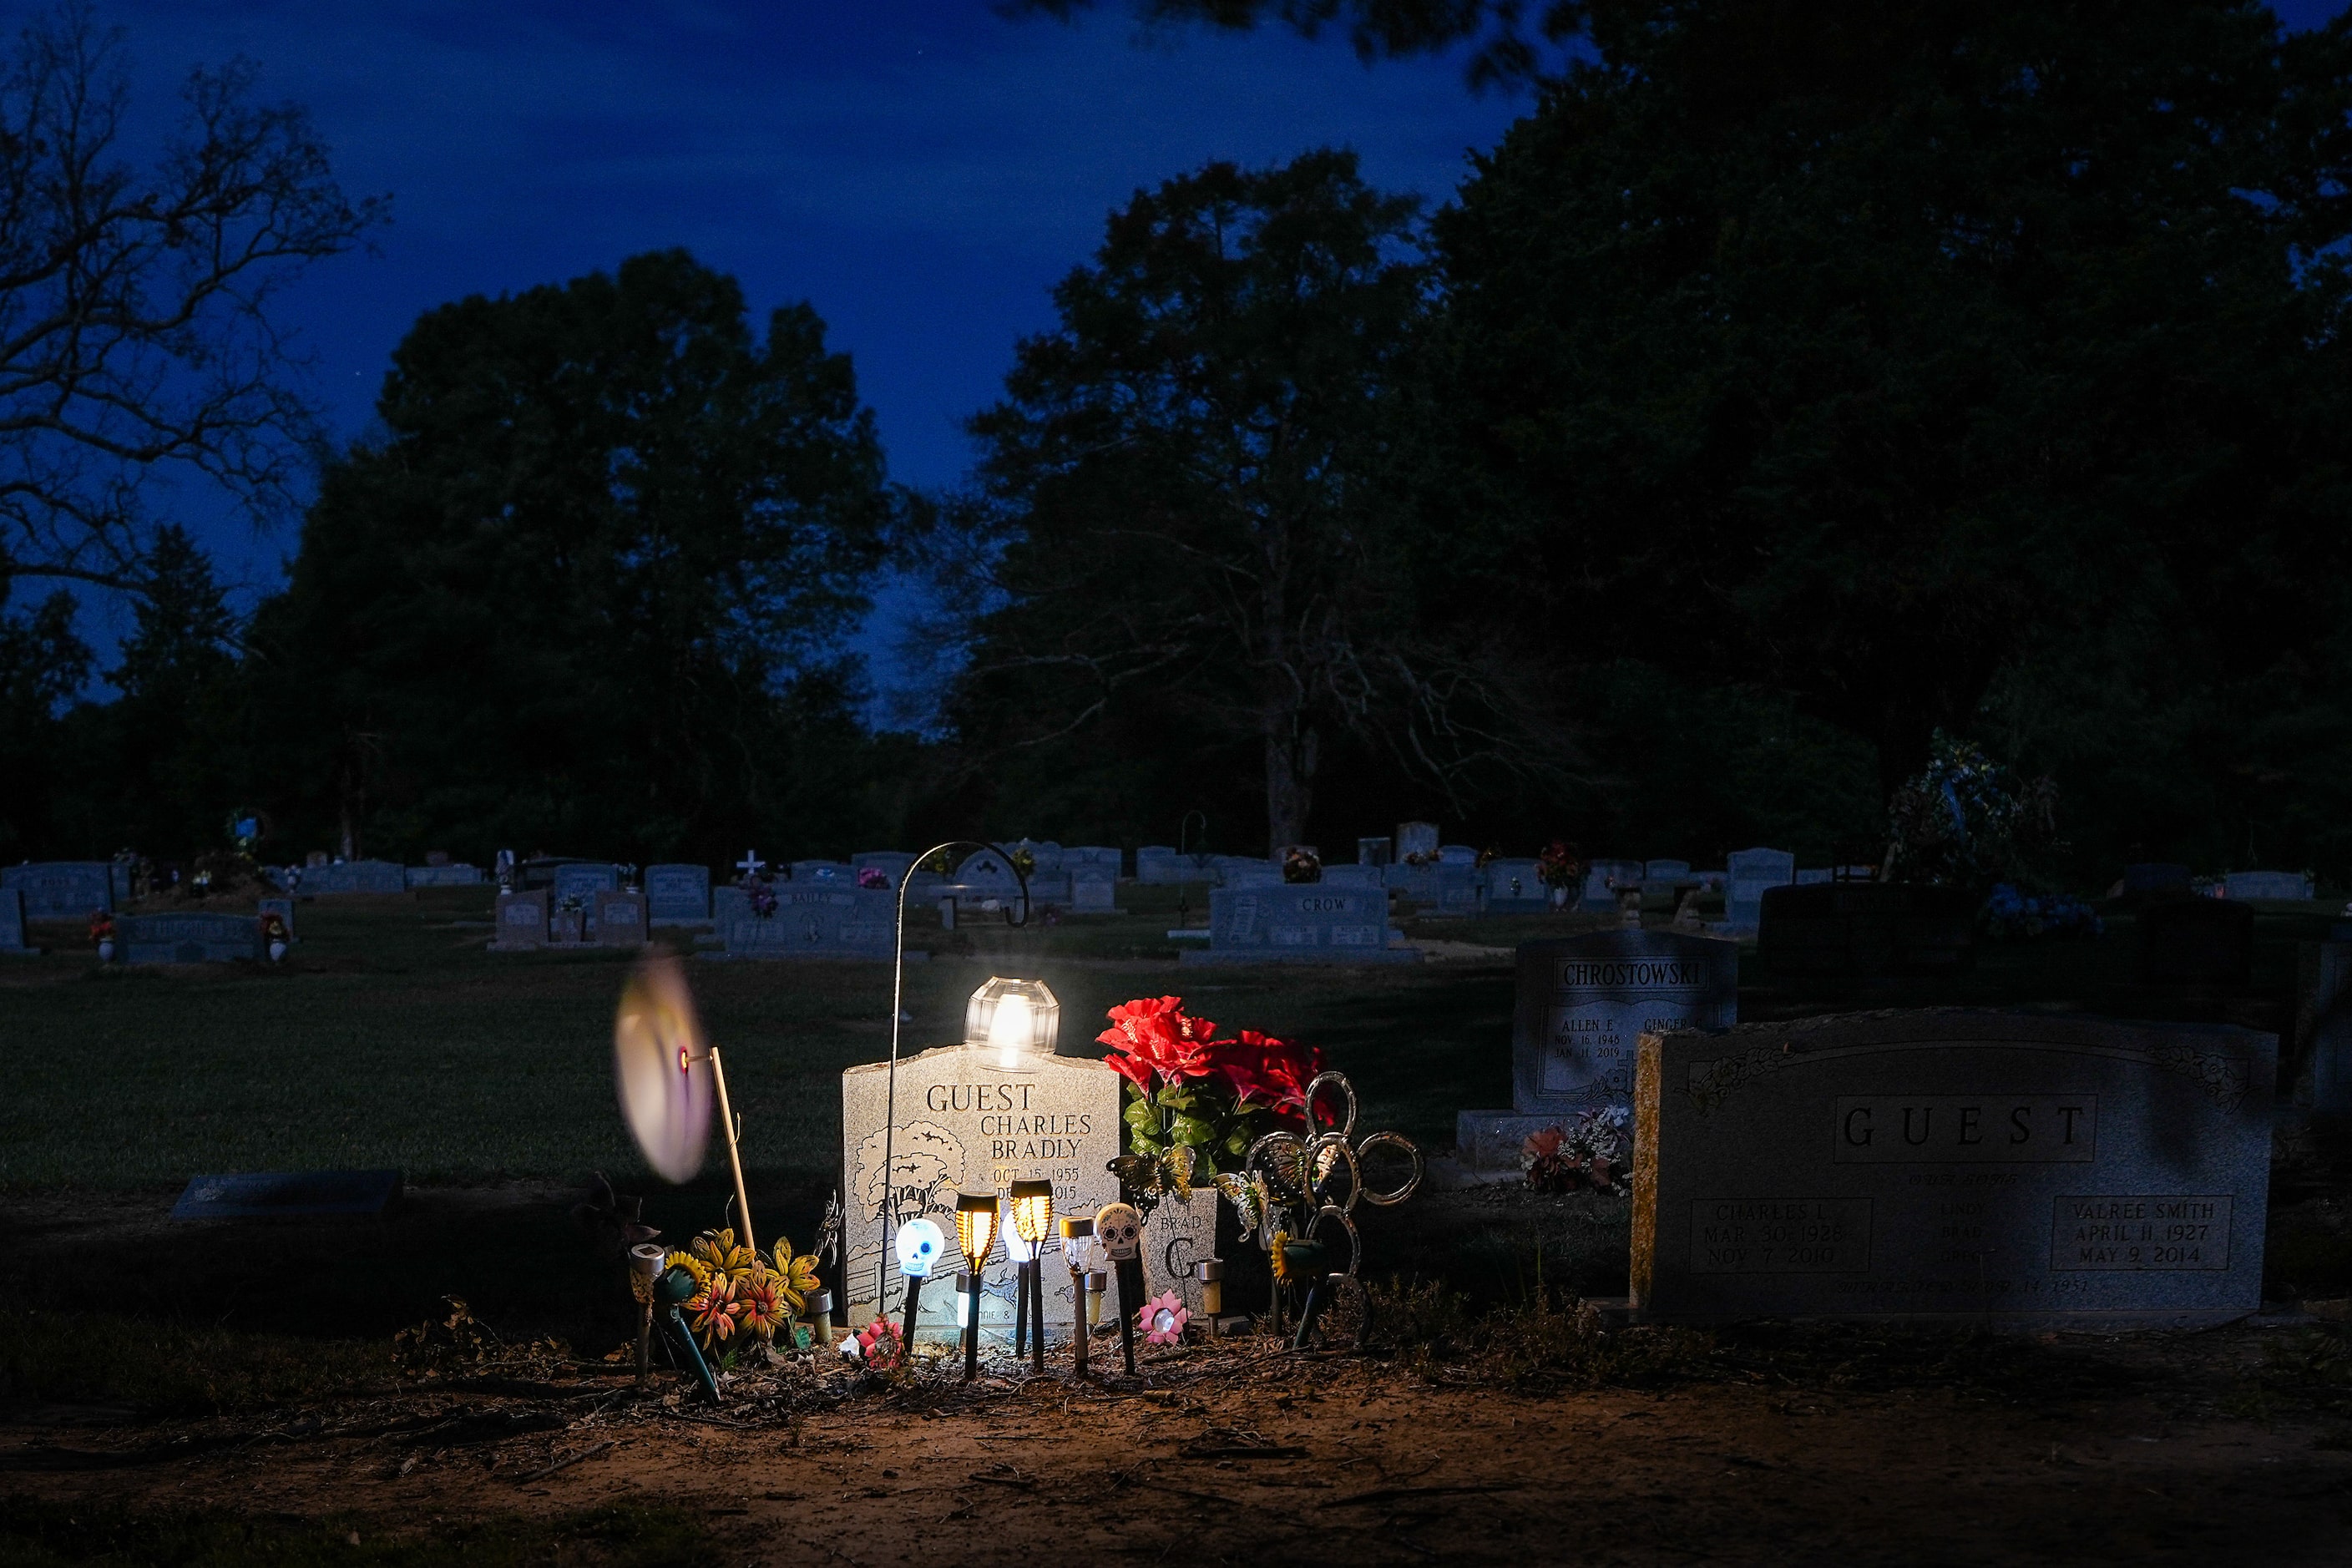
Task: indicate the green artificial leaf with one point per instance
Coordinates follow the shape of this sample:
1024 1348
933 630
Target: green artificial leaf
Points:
1141 1115
1191 1130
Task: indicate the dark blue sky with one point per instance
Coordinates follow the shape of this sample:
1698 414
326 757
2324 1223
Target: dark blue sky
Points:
921 172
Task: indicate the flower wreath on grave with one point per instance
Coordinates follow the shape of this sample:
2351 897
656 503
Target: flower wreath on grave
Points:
762 899
1194 1100
101 927
1561 865
1421 857
1590 1151
1023 862
1301 865
872 879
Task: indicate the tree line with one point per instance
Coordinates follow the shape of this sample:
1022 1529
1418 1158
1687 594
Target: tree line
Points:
1791 382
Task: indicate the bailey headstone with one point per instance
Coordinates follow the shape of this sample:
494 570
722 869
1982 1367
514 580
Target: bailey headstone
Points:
190 937
1582 1005
1750 872
1860 930
1299 923
2008 1169
521 923
2193 941
678 895
62 890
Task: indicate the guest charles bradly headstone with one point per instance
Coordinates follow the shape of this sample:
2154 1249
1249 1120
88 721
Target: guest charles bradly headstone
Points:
2020 1170
966 1121
1583 1003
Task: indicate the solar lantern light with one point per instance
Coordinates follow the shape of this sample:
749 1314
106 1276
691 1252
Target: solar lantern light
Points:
1077 1229
1014 1018
1033 1220
975 1234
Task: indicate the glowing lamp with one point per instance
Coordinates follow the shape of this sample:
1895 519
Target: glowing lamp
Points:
1032 1203
1078 1233
1033 1212
1014 1018
921 1242
975 1232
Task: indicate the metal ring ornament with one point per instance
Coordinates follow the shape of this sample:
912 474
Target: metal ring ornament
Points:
1336 1146
1413 1152
1348 1128
1355 1241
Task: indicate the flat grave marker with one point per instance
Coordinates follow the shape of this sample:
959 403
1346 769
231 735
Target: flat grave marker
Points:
288 1194
1951 1165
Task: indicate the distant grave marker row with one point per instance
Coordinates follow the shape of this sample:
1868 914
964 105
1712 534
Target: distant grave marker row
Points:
1304 923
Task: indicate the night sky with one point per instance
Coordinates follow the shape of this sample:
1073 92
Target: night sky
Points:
922 174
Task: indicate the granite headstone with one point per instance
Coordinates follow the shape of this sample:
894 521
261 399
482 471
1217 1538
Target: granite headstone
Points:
1512 888
12 926
353 878
62 890
1751 871
839 920
1416 838
1303 923
2330 1027
678 895
620 918
2266 885
189 937
521 923
2011 1170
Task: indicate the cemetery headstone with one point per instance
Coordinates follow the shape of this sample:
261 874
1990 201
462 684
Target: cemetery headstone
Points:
194 937
728 905
1751 871
2155 877
1372 851
1416 838
12 926
121 874
1457 855
581 881
277 1195
620 918
1601 881
1246 870
317 857
894 865
1157 864
1864 929
1359 875
965 1121
1437 890
2265 885
2196 941
1093 890
1280 923
985 877
353 878
838 921
2011 1170
678 895
445 875
1806 880
1103 857
2330 1028
1513 888
1665 870
521 923
62 890
1583 1003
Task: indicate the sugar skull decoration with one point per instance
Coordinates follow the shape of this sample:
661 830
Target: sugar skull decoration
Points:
920 1243
1118 1230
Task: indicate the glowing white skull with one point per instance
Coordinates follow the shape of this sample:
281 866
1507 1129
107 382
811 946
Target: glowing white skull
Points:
920 1241
1120 1230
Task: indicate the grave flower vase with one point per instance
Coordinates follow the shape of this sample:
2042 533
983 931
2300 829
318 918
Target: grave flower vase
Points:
277 951
106 951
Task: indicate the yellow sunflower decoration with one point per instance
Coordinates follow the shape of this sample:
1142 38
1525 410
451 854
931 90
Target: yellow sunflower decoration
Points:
719 1250
795 1276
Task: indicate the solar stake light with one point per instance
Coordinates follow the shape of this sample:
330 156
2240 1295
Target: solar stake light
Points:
645 1267
920 1243
1014 1018
1022 1255
1032 1203
1077 1228
975 1234
1210 1273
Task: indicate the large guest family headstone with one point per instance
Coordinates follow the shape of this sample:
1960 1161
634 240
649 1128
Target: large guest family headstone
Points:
2021 1171
521 923
819 921
678 895
192 937
2196 942
1750 873
2266 885
353 878
1583 1003
1307 923
966 1121
1864 929
11 925
62 890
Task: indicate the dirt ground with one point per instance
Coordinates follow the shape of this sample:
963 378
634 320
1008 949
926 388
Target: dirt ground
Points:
2149 1449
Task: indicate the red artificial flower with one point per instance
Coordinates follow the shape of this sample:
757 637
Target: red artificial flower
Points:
1273 1072
1154 1039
